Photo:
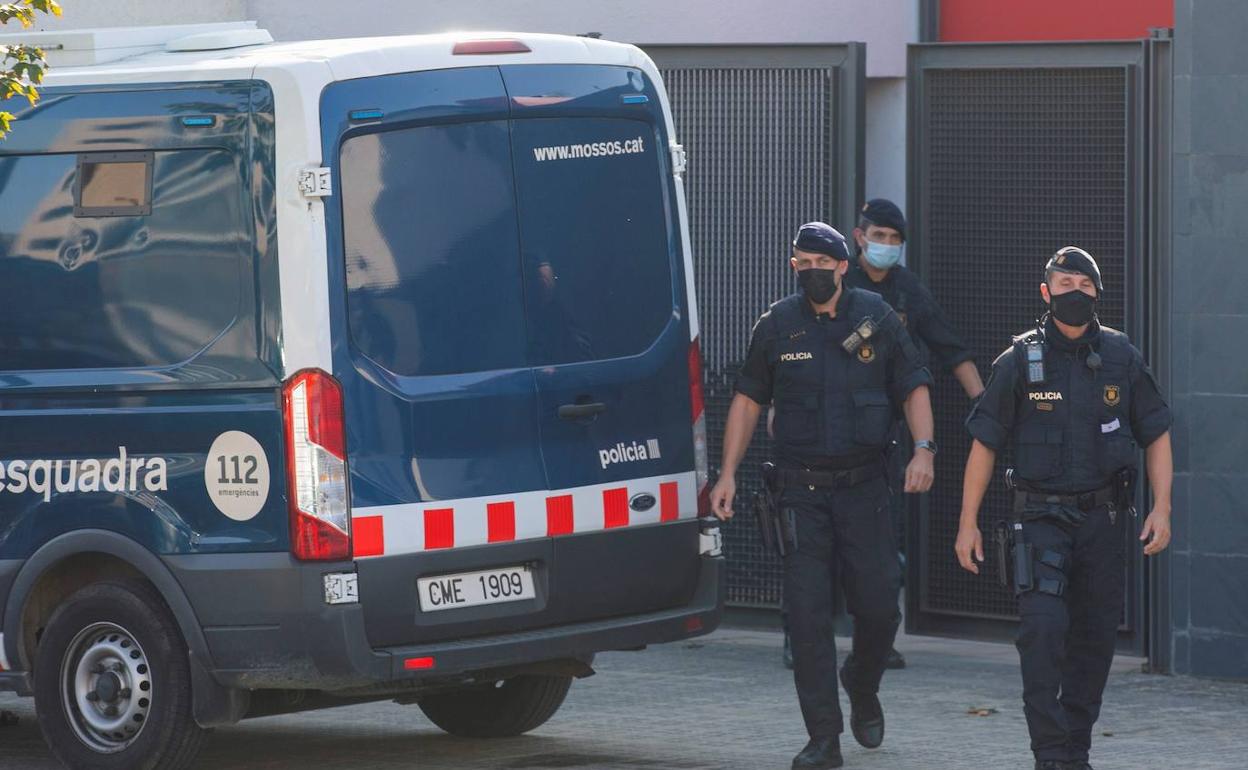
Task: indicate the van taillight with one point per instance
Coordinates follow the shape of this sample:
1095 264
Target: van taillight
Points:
316 468
700 457
488 47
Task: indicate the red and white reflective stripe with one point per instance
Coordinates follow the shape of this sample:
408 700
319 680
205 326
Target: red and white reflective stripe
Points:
4 661
388 530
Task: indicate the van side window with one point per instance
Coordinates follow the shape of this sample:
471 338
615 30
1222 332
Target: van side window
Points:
120 291
113 184
431 248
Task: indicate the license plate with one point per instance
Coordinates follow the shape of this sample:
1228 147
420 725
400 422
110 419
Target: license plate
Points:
470 589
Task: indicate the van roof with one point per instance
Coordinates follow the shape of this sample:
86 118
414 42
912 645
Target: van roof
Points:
145 57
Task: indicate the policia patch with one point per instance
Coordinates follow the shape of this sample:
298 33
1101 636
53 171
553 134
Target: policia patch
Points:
1112 395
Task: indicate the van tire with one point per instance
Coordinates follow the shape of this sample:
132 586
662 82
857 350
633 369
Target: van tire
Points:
123 629
509 708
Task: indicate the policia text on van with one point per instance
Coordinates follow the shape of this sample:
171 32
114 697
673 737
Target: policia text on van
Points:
271 443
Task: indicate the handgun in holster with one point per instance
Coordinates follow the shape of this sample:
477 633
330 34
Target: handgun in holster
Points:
776 526
1014 557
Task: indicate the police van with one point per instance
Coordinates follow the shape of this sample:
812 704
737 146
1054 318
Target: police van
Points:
340 371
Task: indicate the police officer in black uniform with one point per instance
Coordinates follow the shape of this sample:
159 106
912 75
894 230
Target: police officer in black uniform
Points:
880 236
1074 401
838 364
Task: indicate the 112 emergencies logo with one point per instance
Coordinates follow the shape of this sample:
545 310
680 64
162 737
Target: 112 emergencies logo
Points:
121 473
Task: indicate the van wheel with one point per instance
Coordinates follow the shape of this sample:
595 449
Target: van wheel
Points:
507 708
113 684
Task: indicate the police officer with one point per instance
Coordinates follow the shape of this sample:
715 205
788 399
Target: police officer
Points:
1074 400
837 363
880 236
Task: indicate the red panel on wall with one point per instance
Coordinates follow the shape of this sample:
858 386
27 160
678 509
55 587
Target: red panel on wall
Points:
1011 20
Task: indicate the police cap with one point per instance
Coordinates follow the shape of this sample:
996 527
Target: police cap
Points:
1073 259
821 238
882 212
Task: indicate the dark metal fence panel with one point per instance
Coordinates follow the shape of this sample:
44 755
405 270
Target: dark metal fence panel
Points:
774 138
1016 151
1156 295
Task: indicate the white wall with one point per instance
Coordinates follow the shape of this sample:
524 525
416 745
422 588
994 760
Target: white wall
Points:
886 26
886 139
81 14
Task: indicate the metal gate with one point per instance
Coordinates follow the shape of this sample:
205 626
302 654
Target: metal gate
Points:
774 135
1015 151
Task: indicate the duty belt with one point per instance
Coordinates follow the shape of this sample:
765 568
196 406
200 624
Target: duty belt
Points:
850 477
1085 501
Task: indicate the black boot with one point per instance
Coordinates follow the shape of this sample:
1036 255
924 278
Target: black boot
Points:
866 716
1053 764
1078 764
895 660
820 754
787 656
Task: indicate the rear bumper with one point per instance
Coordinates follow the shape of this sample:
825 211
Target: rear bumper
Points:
578 640
267 627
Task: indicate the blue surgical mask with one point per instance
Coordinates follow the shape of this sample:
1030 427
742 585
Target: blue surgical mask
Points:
882 256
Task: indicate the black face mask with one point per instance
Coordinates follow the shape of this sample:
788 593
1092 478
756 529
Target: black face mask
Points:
1073 308
819 285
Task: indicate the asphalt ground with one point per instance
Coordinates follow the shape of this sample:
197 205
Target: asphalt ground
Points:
725 701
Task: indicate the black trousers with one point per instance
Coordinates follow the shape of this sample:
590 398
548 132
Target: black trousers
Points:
1066 643
846 534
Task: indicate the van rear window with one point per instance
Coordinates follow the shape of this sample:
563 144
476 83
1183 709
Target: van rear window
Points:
429 228
596 237
483 246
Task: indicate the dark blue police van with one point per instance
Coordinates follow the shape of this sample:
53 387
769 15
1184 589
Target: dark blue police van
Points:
341 371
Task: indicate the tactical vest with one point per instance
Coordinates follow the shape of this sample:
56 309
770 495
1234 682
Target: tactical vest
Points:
897 291
830 402
1072 432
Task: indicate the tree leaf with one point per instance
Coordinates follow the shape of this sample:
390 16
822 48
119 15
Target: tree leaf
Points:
28 62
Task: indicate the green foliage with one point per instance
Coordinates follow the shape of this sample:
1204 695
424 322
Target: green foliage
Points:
22 66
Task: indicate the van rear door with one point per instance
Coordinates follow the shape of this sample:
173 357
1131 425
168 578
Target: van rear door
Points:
483 290
438 393
608 328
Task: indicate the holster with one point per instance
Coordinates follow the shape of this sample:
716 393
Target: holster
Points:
775 526
1024 566
1001 548
1020 563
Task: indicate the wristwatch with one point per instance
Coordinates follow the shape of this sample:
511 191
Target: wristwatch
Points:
927 444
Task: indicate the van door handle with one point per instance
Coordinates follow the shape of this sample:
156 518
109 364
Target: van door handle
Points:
581 411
